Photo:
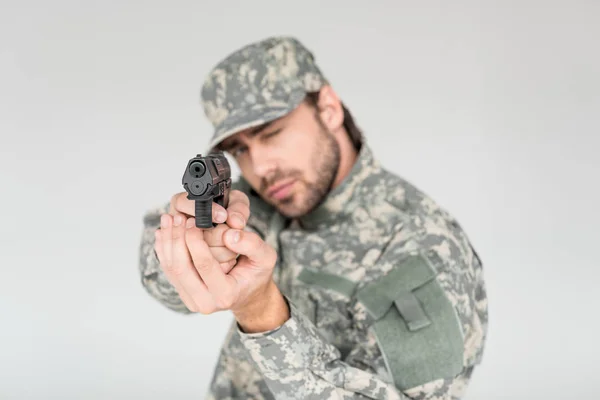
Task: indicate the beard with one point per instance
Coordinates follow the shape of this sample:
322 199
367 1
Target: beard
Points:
325 160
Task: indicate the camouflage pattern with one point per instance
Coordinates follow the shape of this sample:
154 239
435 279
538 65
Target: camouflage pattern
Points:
328 349
258 83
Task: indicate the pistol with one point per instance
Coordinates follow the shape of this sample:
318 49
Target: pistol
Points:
207 179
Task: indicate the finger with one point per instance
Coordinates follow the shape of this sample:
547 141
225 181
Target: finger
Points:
180 203
226 267
166 222
158 247
182 267
252 246
222 254
214 237
183 295
214 240
238 210
217 282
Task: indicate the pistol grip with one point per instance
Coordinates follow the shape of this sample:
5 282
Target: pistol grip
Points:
204 214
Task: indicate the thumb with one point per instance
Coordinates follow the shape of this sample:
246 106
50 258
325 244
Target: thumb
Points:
250 245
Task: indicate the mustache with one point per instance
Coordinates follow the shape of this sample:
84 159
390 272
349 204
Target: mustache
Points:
277 176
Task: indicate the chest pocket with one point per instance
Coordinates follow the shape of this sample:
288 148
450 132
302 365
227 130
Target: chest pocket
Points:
415 324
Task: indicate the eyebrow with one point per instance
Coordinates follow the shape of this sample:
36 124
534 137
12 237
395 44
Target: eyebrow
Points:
256 130
253 132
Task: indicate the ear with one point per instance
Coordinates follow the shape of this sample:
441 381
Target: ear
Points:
330 109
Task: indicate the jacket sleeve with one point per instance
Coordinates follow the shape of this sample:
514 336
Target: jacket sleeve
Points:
297 363
421 334
152 276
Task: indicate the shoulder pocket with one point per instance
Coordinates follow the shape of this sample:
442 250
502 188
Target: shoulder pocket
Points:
415 324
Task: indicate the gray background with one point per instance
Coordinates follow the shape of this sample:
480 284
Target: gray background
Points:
490 107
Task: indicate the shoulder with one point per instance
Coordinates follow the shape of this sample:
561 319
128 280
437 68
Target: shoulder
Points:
424 295
423 225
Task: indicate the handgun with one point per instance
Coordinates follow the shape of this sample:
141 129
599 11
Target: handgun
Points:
207 179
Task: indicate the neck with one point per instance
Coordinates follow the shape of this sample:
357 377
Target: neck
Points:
342 200
348 154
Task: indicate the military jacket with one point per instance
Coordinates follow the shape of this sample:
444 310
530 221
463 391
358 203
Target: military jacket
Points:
386 294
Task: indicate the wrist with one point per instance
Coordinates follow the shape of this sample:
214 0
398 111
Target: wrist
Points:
267 311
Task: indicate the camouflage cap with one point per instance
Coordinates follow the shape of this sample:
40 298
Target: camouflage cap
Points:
258 83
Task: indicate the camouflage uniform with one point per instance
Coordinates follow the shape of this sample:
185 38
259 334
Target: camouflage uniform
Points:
386 293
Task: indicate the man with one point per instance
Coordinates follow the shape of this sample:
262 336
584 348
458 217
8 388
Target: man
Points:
345 281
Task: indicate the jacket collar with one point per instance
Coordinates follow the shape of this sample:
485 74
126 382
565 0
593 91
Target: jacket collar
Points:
342 200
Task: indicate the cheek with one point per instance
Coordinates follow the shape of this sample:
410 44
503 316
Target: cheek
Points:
247 172
297 155
304 157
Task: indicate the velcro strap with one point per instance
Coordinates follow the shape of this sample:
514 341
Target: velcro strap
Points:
411 311
379 295
326 280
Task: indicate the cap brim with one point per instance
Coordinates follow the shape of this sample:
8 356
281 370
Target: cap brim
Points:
253 117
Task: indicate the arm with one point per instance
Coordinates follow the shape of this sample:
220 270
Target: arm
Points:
419 335
298 363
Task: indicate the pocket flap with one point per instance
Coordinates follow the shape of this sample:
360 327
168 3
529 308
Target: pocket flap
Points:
396 287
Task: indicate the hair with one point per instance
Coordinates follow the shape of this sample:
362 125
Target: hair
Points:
354 132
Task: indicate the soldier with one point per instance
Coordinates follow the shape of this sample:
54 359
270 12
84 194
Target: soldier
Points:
345 281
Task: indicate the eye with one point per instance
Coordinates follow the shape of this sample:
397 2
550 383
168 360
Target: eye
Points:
238 151
271 134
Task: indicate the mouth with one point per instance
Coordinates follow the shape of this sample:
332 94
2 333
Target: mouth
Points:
281 189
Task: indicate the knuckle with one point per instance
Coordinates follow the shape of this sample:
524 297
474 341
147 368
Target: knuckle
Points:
177 238
191 306
254 241
224 302
216 209
204 310
250 236
176 235
173 203
177 202
240 197
244 197
205 307
174 270
202 264
223 254
271 254
240 215
226 266
214 237
265 248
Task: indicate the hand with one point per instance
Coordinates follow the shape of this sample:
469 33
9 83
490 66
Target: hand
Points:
235 216
203 286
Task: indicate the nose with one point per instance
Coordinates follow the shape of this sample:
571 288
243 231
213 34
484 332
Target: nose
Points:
263 163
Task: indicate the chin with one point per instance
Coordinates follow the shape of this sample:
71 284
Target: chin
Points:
295 206
290 209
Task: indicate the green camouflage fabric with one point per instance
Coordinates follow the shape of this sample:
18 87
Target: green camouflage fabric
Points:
335 268
257 84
